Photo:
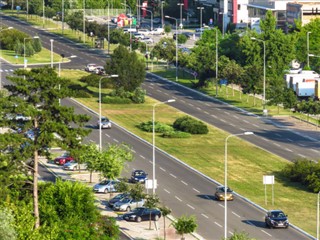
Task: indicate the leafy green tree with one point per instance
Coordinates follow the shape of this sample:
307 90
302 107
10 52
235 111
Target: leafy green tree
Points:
165 49
167 28
240 236
7 230
129 68
75 20
36 94
182 39
90 155
152 201
28 49
185 225
36 44
165 211
289 99
137 192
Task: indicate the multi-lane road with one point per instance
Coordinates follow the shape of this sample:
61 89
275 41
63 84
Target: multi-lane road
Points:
184 190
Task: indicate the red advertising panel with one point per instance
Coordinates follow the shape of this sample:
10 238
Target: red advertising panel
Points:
185 4
144 6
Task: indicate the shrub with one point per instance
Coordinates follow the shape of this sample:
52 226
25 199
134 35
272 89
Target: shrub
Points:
138 95
79 91
120 92
190 125
158 127
115 100
93 81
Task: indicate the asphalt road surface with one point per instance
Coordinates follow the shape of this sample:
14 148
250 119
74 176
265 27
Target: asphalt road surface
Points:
183 190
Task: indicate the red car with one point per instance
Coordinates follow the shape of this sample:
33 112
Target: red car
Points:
63 159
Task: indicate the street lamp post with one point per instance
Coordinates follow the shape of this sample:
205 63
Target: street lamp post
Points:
181 5
154 144
24 49
176 45
130 25
84 21
308 63
200 8
43 8
100 129
62 17
264 70
217 59
108 27
51 54
1 57
226 178
162 20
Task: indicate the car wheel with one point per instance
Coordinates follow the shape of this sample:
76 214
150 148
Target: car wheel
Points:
138 219
128 209
74 168
106 190
156 217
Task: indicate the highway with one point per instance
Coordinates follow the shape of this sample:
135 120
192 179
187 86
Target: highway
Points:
180 188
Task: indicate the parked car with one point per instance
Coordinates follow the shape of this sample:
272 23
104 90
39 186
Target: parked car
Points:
73 166
127 204
146 40
138 35
106 186
105 123
117 198
144 31
99 70
91 67
220 194
142 214
158 31
64 158
138 176
276 219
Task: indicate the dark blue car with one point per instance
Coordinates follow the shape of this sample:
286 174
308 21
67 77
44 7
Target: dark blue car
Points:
139 176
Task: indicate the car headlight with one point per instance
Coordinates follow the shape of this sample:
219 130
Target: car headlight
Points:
133 216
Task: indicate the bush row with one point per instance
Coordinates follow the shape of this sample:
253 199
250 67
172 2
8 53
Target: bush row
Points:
190 125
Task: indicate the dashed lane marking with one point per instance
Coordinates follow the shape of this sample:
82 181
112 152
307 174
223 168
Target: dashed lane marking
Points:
196 190
162 169
166 190
178 198
204 215
218 224
184 183
190 206
173 175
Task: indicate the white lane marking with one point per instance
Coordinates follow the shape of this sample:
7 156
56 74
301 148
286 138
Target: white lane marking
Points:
206 112
199 108
214 116
162 169
196 190
255 125
301 145
150 162
183 101
226 112
303 156
166 190
207 104
235 116
236 214
218 224
184 183
278 145
115 140
207 197
142 157
231 124
289 150
190 104
266 233
265 139
245 121
221 205
159 91
190 206
242 129
178 198
314 150
290 140
204 215
222 120
173 175
277 134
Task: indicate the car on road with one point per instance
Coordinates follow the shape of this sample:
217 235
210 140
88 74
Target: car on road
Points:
158 31
128 204
220 194
138 35
63 159
142 214
74 166
91 67
99 70
146 40
144 31
117 198
276 219
106 186
105 123
138 176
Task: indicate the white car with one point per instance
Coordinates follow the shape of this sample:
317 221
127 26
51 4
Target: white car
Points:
105 123
139 35
74 166
144 31
158 31
91 67
106 186
146 40
127 204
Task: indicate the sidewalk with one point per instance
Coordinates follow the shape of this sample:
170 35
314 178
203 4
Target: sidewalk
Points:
133 230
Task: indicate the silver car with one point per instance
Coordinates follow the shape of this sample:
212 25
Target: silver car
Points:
106 186
73 166
105 123
127 204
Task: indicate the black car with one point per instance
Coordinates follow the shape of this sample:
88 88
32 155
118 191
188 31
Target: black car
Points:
142 214
139 176
117 198
276 219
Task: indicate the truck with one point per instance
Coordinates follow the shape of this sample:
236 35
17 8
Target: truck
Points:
305 89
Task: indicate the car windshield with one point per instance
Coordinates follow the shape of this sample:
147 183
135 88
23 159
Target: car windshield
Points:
105 182
125 200
138 173
104 119
221 189
277 214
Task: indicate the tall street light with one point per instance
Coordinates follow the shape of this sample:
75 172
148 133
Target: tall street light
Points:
200 8
217 59
62 17
24 49
51 55
130 25
100 129
226 178
43 14
154 144
162 17
308 63
264 71
84 21
1 57
176 45
318 216
181 5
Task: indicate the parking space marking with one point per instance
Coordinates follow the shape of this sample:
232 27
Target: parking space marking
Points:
178 198
242 129
150 162
207 104
277 134
207 197
218 224
235 116
184 183
173 175
222 120
301 145
231 124
107 135
196 190
226 112
255 125
290 140
250 223
190 206
204 215
265 139
221 205
245 121
166 190
159 91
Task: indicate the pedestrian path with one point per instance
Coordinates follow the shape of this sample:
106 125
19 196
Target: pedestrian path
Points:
133 230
